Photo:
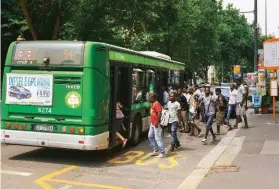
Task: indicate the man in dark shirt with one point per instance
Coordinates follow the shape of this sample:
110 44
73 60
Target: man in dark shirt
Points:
184 109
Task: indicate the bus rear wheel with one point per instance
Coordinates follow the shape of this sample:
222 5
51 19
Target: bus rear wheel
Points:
136 131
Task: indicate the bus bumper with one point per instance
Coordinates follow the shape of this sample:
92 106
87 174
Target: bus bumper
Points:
79 142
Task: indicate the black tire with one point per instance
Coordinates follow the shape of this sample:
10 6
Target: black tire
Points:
136 130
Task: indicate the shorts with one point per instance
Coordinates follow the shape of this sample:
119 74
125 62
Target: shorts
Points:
220 117
240 110
184 116
118 124
191 117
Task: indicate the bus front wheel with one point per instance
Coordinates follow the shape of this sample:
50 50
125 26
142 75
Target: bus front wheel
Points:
136 130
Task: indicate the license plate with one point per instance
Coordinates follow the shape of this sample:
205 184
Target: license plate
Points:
43 128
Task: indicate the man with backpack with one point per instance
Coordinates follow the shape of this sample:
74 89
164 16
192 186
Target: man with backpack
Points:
221 104
184 109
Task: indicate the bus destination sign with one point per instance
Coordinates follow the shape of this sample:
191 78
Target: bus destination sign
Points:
25 62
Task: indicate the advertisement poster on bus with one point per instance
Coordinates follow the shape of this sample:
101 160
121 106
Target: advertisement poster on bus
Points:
236 71
29 89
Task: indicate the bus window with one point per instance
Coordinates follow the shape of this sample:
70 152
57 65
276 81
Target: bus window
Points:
149 82
138 85
57 52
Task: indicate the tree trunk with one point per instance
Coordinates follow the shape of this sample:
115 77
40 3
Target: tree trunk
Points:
28 19
205 74
194 78
57 22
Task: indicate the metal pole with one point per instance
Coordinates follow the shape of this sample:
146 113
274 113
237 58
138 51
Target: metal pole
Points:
255 34
265 18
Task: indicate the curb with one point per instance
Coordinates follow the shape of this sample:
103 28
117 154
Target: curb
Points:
205 165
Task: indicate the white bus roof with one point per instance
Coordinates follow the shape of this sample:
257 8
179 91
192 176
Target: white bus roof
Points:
156 54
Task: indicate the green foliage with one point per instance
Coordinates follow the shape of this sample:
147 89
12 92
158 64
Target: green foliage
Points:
267 99
198 32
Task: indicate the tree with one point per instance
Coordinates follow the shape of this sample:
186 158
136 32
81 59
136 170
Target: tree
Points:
235 40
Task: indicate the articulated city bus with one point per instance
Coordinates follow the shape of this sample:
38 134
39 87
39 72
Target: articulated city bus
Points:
63 94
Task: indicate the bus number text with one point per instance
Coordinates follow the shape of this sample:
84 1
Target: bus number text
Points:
44 110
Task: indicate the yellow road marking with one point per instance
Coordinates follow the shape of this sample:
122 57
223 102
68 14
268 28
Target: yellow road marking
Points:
143 161
173 162
41 181
51 177
87 184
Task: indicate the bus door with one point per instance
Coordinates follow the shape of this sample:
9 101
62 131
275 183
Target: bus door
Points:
120 84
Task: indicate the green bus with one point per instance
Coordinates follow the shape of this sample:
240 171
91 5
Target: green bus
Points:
63 94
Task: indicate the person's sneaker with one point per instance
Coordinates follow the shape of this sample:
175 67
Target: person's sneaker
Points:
154 153
204 141
161 156
124 143
171 149
178 146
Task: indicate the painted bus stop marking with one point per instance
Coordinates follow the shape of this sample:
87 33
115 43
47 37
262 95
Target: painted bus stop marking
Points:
44 181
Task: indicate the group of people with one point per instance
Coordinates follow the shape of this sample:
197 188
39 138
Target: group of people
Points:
185 107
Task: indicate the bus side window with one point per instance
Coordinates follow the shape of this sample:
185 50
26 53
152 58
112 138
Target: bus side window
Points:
149 84
138 85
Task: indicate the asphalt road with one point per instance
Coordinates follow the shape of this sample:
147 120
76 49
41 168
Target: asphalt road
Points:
25 167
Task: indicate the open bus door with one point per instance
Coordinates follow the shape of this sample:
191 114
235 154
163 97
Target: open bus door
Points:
120 85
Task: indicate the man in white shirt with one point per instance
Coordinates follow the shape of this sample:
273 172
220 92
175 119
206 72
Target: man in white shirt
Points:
174 109
165 97
232 102
241 104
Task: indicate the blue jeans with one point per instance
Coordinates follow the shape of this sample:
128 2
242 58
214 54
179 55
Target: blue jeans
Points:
174 127
209 121
231 108
155 138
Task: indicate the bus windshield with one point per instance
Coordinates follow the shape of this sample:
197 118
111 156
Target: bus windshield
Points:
57 52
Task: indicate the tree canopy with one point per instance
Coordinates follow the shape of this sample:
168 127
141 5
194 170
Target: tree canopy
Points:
198 32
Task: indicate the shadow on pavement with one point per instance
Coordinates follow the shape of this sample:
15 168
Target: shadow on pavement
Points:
71 157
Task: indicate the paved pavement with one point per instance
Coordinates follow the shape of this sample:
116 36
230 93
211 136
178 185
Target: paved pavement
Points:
26 167
250 161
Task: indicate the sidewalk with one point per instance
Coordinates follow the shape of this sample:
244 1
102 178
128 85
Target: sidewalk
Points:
251 159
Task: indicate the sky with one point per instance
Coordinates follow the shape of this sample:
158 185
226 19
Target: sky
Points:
272 13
